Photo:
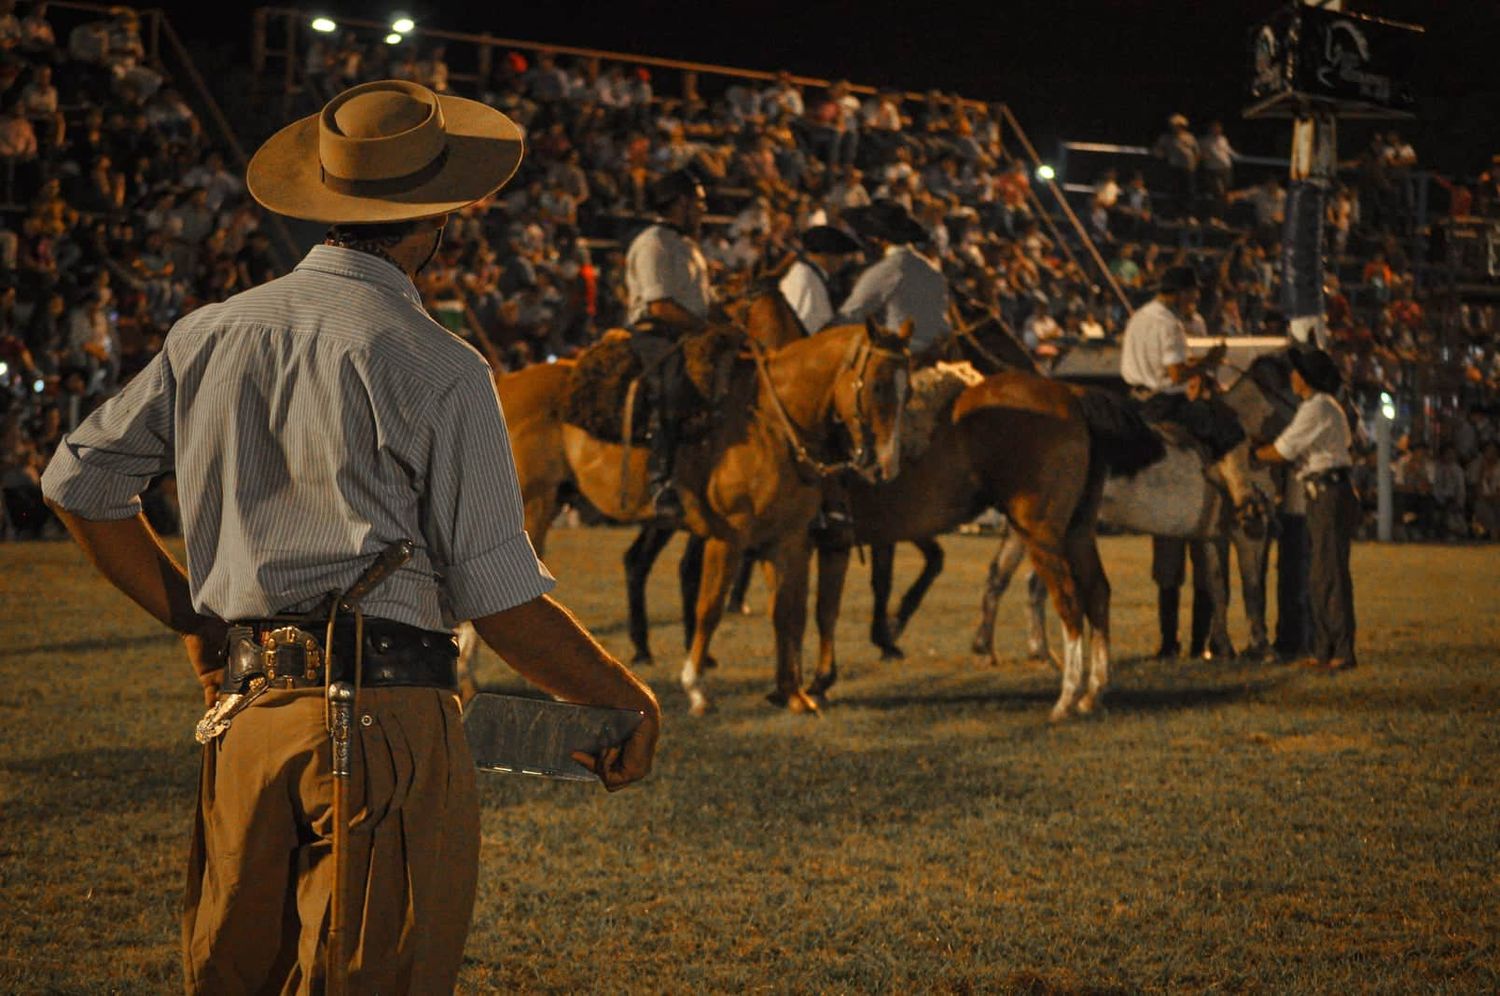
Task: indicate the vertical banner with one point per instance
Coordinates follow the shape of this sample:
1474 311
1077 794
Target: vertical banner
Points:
1302 251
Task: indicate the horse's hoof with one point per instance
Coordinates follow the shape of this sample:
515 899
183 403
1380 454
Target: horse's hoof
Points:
642 658
1059 714
986 659
802 704
698 703
777 698
1088 705
892 653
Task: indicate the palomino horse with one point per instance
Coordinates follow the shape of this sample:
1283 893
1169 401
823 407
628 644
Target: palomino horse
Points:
1174 498
755 481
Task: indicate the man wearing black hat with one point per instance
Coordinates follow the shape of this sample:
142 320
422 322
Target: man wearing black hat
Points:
903 284
1317 442
825 251
666 282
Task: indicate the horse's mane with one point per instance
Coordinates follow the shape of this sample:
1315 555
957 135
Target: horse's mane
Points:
1272 373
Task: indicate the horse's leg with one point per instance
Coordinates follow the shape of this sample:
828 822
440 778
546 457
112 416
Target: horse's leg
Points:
737 606
719 558
1094 588
468 656
1036 618
1052 563
789 563
833 568
639 558
882 569
1002 568
1253 555
932 566
689 583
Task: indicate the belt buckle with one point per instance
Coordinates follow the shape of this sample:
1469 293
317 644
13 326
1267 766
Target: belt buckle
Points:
293 642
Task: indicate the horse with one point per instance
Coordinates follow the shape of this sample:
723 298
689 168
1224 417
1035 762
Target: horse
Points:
1175 498
754 481
1041 452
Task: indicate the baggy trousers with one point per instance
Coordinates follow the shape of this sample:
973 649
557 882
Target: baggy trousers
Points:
260 872
1331 518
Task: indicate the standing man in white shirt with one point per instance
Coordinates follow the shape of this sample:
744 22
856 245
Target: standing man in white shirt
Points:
1317 441
666 282
825 252
902 284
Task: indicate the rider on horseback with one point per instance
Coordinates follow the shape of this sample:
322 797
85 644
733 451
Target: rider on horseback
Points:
902 284
666 282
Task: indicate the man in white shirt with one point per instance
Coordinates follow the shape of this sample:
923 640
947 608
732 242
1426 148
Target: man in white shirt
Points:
825 252
666 283
1218 168
1317 441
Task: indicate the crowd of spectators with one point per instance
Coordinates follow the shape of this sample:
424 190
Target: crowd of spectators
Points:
118 217
126 217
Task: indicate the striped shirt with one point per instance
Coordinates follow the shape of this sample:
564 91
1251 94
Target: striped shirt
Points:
312 421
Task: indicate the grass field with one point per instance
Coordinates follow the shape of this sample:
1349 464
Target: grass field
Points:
1234 827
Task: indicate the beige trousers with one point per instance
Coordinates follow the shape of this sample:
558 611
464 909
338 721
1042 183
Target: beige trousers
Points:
260 872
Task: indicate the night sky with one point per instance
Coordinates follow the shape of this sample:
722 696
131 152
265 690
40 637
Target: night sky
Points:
1107 70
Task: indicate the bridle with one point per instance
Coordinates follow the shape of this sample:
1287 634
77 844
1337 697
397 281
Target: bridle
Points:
863 458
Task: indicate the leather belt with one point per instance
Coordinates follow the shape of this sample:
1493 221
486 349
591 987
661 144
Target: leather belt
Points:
289 653
1334 475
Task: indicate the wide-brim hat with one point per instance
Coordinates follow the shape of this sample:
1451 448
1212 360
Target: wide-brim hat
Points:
1317 368
887 220
387 151
827 239
1178 278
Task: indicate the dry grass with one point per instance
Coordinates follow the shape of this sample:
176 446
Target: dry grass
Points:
1222 827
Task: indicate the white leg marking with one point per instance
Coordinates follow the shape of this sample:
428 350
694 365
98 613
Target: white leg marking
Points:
1072 675
691 679
1098 674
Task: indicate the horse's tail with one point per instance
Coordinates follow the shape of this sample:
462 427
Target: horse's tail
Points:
1119 438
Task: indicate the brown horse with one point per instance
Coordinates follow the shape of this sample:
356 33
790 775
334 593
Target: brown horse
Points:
1042 451
756 480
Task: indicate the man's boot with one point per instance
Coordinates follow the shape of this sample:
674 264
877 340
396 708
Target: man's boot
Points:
665 503
1166 616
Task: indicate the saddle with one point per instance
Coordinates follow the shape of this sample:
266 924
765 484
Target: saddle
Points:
595 397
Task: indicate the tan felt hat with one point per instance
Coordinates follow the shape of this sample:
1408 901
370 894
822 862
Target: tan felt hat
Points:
385 152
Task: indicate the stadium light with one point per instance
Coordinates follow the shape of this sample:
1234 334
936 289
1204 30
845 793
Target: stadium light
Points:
4 369
1387 406
1045 173
324 25
38 386
393 39
401 24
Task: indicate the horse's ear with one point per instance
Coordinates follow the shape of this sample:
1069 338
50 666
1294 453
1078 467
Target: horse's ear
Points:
905 331
872 330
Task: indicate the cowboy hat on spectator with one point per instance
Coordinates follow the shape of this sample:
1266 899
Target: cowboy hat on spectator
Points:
827 239
386 152
886 220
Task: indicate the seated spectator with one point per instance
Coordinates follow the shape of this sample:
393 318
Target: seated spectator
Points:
1448 494
1412 479
1487 491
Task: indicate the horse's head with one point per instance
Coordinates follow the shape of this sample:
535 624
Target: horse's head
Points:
1263 397
869 394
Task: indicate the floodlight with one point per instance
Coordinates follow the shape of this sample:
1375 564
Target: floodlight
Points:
38 386
1387 406
324 25
393 39
4 369
1045 173
402 24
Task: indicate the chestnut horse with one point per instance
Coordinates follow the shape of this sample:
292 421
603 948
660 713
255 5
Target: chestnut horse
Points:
755 481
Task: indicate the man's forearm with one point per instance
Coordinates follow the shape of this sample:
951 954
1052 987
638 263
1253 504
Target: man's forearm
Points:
129 553
547 646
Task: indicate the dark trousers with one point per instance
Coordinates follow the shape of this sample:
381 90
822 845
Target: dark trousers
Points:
1331 518
1169 558
1252 554
664 381
1293 627
1209 420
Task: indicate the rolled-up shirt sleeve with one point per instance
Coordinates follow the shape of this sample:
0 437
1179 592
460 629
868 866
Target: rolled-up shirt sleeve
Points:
1298 437
100 469
872 291
474 522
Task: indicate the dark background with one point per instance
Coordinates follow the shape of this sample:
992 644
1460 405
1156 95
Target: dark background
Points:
1109 70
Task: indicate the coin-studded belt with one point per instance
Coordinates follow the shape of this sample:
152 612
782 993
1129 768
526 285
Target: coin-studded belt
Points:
290 654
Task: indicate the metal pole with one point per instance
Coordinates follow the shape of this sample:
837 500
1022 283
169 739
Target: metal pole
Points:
1383 513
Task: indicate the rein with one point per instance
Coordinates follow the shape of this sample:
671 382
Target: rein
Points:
857 358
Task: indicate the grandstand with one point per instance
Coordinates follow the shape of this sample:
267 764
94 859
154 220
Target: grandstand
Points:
124 208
